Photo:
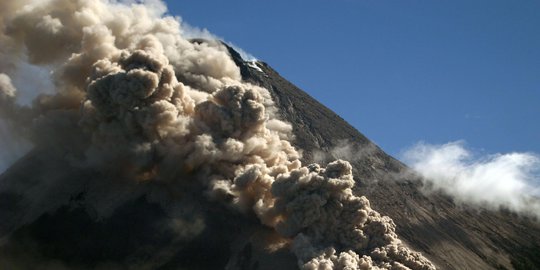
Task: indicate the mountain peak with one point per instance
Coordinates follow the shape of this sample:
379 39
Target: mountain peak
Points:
451 235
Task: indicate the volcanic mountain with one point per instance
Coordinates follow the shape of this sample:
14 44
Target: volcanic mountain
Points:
152 150
453 236
69 234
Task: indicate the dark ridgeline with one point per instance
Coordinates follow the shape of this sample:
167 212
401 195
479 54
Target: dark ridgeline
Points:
453 237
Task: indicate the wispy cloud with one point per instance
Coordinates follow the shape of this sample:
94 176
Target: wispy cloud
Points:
344 149
190 31
496 181
12 146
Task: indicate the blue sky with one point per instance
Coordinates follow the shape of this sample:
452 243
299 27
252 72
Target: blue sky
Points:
400 71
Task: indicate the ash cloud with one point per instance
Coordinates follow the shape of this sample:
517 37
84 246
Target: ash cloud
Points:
510 181
137 102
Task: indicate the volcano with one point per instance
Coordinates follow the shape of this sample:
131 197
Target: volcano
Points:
451 235
156 151
65 233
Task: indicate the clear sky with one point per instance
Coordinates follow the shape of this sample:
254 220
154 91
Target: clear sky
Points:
400 71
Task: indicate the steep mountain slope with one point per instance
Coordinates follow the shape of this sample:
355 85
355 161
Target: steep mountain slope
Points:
452 236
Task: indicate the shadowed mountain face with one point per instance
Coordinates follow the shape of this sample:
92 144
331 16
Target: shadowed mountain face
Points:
452 236
145 229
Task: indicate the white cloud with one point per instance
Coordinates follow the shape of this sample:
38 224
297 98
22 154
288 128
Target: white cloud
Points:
509 181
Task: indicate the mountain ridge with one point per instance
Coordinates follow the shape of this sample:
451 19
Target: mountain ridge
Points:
455 236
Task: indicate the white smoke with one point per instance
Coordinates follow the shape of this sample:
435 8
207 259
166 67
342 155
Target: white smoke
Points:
509 181
344 149
192 32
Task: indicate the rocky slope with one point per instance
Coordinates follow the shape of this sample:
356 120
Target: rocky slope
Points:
452 236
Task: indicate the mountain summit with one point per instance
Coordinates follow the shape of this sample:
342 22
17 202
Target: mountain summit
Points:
451 235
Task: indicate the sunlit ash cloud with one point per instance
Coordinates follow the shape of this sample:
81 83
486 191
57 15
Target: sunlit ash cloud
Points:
135 99
509 181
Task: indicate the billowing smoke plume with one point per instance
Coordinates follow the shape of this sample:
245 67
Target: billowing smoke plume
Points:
135 99
509 181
